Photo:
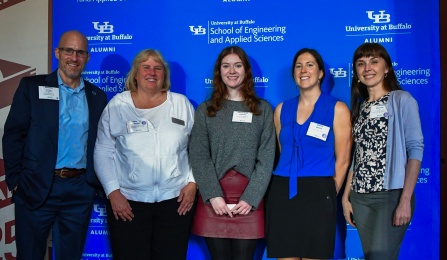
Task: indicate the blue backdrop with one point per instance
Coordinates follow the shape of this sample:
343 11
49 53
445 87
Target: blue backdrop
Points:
190 34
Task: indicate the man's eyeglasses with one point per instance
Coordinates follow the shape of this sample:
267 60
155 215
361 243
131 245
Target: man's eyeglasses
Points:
69 51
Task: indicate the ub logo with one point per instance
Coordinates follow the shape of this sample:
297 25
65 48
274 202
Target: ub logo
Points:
340 73
379 18
199 30
100 210
103 28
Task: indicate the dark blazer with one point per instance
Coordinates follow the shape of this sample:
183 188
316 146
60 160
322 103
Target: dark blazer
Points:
30 140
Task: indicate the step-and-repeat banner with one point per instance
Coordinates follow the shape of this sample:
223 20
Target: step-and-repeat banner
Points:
190 34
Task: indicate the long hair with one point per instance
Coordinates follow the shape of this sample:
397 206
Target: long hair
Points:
220 90
359 93
131 83
317 58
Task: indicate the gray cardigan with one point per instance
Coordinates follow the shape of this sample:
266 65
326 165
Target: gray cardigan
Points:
404 140
217 145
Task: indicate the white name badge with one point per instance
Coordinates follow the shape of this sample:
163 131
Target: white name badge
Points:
378 111
137 126
242 117
48 93
231 206
318 131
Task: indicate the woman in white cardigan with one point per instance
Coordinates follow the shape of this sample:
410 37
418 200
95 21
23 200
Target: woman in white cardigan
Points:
141 159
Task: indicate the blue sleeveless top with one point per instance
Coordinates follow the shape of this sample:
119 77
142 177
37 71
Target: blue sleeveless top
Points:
303 155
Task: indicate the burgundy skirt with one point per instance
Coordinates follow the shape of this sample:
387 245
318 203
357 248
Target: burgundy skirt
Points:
208 224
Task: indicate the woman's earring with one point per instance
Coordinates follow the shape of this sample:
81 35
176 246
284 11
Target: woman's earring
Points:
386 74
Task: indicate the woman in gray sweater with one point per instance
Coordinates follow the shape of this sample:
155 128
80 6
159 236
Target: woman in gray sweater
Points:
232 150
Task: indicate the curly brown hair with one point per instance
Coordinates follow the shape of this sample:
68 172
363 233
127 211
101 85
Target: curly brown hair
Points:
251 100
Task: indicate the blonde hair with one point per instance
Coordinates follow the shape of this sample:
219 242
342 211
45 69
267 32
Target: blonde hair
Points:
144 55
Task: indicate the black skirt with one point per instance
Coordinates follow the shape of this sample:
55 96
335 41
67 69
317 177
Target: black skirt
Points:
303 226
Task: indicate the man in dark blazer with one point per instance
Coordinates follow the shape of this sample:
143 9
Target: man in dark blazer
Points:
48 145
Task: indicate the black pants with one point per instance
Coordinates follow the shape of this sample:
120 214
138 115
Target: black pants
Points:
157 232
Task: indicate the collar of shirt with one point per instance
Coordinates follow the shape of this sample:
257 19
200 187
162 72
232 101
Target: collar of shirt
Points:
77 89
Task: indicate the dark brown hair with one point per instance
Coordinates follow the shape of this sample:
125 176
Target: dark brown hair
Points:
359 93
317 58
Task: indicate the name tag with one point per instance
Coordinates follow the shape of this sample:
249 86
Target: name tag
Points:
242 117
137 126
378 111
178 121
48 93
318 131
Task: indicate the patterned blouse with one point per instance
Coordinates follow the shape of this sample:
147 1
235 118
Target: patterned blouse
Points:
370 137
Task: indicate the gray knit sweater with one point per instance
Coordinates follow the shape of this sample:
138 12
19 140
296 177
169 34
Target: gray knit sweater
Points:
217 144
